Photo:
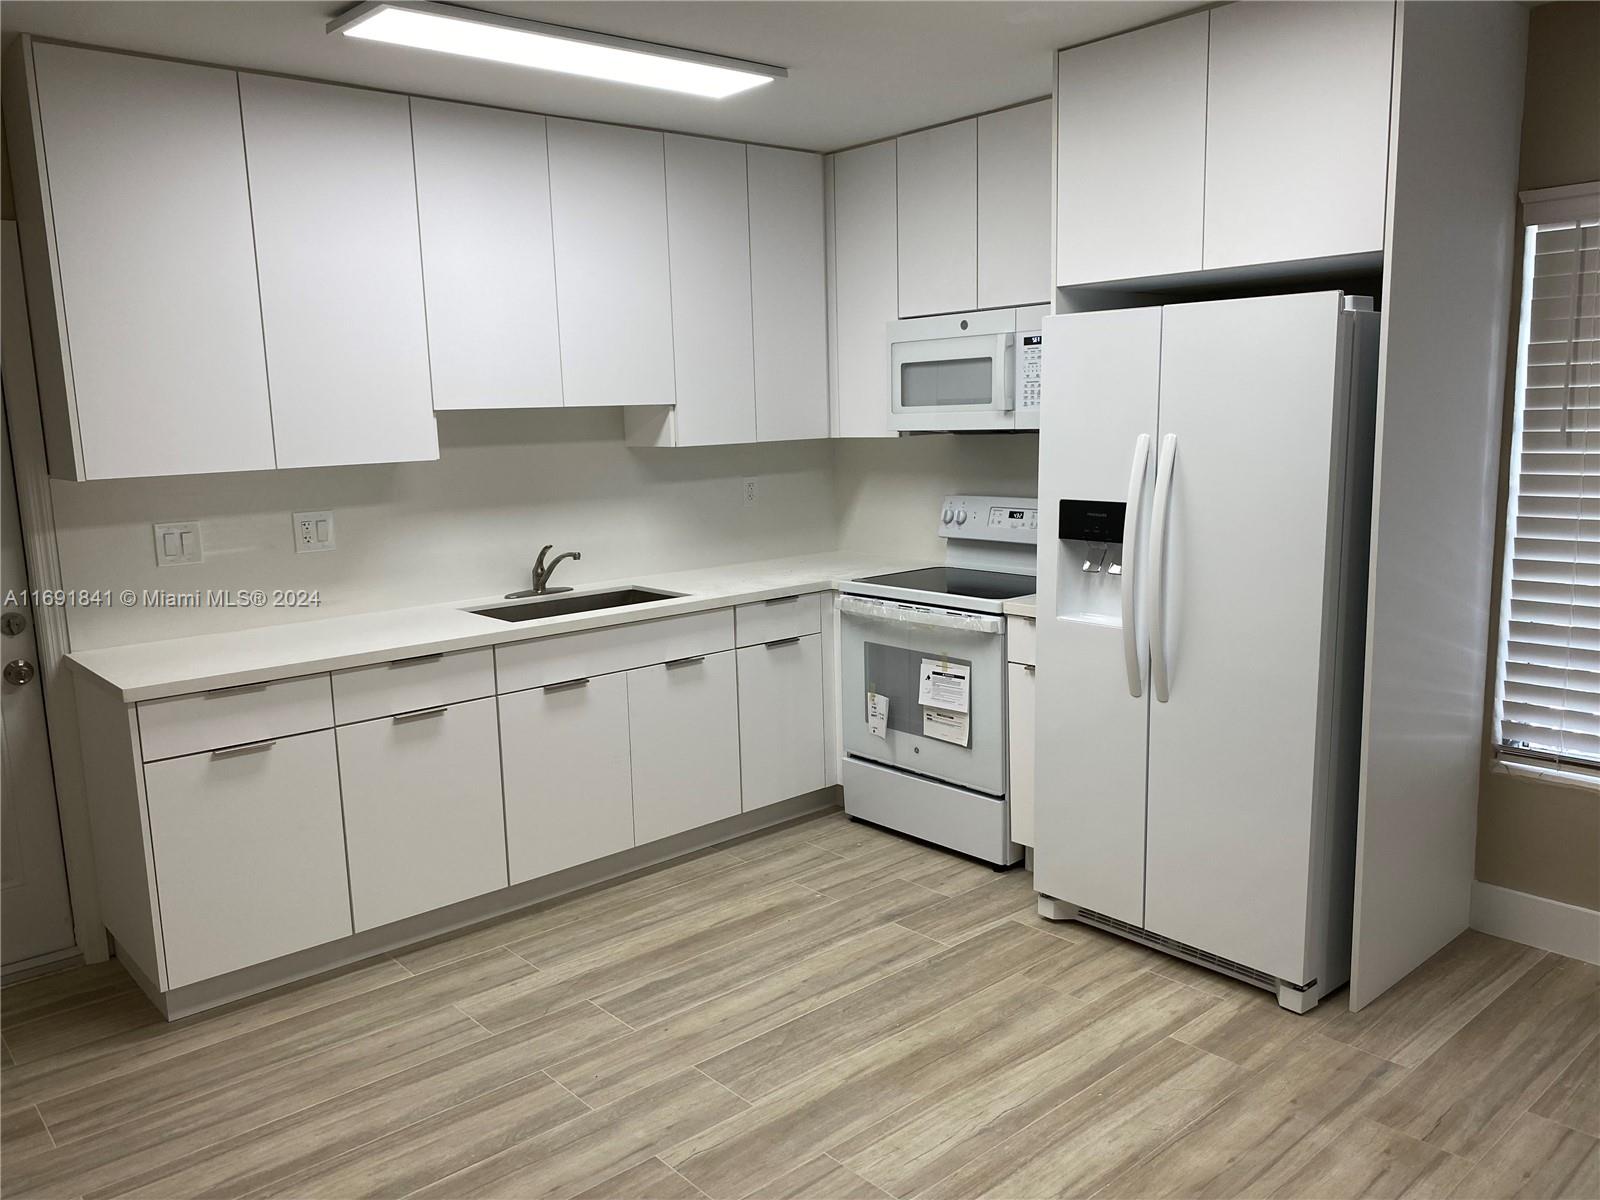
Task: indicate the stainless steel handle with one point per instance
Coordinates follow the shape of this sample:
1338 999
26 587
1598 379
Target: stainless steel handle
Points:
240 690
685 662
1029 668
247 748
1134 648
421 713
567 685
1156 597
782 600
417 661
788 641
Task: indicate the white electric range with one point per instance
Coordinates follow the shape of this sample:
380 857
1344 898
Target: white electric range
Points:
923 679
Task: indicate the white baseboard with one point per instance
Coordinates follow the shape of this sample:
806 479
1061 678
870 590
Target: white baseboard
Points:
1537 921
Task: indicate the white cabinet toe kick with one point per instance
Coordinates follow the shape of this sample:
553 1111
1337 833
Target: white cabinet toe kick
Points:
250 836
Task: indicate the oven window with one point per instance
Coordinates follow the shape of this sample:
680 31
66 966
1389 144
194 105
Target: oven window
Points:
946 383
895 672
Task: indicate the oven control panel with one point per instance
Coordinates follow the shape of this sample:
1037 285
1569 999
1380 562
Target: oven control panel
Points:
990 518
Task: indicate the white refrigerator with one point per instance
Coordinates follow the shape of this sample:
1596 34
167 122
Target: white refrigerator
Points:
1204 505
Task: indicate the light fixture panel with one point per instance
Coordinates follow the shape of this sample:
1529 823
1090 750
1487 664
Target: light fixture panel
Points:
451 29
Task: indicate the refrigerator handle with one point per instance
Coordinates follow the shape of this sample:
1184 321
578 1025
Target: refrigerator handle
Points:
1133 647
1156 595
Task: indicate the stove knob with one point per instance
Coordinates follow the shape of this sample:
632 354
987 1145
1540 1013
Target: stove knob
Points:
948 516
961 517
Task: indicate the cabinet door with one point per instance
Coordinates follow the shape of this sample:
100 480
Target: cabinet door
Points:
483 208
780 719
150 216
335 206
422 810
1131 154
683 718
569 788
249 853
1014 206
608 209
1019 730
788 294
708 234
938 219
865 286
1297 131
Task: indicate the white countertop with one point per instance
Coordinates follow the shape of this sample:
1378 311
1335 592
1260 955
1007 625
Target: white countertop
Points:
1022 606
149 670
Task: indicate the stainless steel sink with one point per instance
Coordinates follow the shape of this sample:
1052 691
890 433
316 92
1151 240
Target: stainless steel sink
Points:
560 606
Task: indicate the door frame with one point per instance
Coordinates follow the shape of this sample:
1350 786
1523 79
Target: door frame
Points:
36 515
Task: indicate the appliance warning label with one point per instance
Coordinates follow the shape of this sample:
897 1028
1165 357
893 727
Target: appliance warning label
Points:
945 685
878 715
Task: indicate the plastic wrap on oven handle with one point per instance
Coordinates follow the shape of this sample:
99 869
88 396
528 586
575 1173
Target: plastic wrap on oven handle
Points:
912 614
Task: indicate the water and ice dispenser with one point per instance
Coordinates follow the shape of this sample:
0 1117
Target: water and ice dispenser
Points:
1089 571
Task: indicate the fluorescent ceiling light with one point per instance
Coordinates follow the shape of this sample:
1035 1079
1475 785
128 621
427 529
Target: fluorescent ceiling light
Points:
453 30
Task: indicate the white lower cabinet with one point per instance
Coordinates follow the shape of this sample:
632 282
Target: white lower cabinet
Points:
780 719
1020 733
568 785
422 810
683 723
249 854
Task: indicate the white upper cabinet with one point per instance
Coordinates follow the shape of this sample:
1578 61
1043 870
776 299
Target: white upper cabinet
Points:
138 236
1014 206
608 207
788 294
483 207
864 281
708 235
335 207
1297 131
938 219
1130 154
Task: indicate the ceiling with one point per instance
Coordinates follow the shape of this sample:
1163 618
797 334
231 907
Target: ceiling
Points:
858 69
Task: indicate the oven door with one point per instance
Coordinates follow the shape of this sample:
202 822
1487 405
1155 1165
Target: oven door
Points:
952 382
883 646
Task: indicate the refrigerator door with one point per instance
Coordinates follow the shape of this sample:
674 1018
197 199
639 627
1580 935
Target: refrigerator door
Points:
1241 605
1101 380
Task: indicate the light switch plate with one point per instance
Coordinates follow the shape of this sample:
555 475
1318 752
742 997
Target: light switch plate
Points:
178 542
313 532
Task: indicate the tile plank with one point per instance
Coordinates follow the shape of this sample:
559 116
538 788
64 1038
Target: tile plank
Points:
1369 1160
1538 1159
61 990
650 1180
957 917
1574 1098
821 1178
68 1028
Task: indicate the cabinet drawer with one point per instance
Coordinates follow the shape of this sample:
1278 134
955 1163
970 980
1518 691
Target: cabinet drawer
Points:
422 810
233 716
564 755
615 648
780 720
408 684
1022 640
683 724
249 854
782 617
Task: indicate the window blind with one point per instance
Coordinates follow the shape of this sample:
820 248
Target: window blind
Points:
1548 696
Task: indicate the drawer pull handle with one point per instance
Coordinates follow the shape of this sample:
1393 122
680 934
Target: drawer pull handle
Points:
685 662
1028 667
421 713
788 641
417 661
568 685
239 690
247 748
782 600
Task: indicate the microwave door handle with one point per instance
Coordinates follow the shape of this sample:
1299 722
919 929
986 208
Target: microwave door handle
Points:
1156 598
1134 646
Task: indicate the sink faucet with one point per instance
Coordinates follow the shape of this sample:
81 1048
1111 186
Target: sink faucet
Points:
541 574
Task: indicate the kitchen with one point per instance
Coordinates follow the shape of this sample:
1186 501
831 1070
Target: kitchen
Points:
793 628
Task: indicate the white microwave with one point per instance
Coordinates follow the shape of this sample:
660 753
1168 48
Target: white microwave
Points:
966 371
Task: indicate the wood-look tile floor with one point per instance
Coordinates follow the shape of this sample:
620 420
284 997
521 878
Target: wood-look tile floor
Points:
824 1011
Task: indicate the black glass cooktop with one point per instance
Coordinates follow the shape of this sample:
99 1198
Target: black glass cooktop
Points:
958 581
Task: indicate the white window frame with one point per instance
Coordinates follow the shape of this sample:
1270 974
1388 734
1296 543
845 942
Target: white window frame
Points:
1549 206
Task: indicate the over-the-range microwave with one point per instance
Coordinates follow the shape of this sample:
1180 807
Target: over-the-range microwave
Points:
966 371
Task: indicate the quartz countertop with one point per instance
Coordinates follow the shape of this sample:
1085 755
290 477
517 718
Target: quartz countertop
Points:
150 670
1021 606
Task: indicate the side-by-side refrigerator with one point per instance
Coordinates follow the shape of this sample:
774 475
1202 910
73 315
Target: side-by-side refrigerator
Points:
1204 508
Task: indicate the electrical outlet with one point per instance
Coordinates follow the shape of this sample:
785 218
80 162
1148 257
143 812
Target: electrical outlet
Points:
178 542
313 532
749 491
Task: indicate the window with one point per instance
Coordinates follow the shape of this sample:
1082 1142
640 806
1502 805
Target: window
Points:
1547 696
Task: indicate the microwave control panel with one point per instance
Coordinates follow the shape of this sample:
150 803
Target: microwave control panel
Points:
1030 371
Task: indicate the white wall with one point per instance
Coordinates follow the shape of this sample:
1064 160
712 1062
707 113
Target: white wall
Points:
888 490
467 525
